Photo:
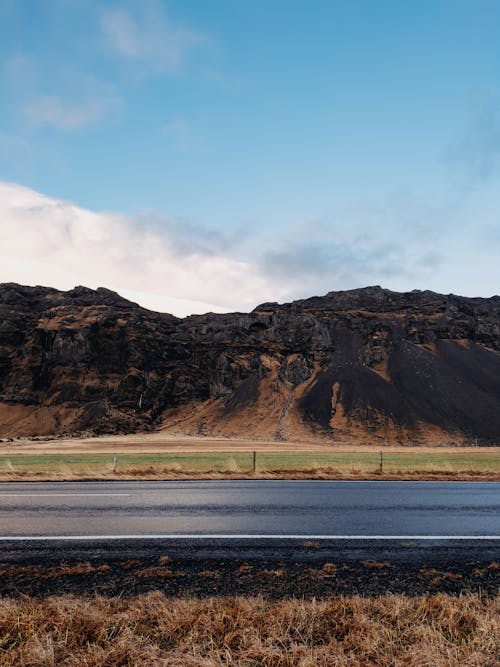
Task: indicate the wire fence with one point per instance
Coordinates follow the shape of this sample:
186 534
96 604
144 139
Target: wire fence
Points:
245 462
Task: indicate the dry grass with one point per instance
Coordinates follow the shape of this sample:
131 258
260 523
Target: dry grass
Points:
163 442
57 571
244 570
376 565
435 577
308 544
154 457
153 630
139 474
160 456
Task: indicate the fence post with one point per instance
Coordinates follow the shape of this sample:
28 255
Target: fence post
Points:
381 461
115 463
254 462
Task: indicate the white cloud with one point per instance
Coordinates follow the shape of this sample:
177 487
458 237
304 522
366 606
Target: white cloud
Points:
183 268
149 38
45 241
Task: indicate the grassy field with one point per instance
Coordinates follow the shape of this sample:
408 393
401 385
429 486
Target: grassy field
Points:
153 630
449 463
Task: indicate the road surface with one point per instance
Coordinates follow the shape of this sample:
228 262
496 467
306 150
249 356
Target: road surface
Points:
369 519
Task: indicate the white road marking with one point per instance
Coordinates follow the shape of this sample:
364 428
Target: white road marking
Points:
61 495
208 536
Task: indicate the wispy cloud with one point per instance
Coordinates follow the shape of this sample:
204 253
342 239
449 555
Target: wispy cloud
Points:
400 242
149 38
313 267
183 237
183 136
11 145
477 151
68 114
20 71
60 96
71 94
16 154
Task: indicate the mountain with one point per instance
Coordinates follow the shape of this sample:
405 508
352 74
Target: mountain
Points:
361 366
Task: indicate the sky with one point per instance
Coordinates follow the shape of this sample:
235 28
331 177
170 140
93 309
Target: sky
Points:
198 156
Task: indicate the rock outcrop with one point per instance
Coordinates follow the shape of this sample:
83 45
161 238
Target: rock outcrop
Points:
356 366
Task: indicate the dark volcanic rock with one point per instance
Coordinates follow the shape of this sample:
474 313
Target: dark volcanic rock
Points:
358 365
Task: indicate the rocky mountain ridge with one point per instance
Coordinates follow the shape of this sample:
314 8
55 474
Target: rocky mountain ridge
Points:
364 365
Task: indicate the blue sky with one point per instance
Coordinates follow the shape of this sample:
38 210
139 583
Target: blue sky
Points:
238 151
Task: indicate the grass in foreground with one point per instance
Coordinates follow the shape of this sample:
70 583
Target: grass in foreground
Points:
460 464
154 630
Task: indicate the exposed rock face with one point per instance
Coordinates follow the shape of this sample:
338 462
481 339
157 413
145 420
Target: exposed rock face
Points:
360 365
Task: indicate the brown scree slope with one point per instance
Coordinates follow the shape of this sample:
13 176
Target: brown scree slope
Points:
356 366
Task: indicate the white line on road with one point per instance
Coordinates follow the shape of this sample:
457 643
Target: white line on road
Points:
62 495
193 536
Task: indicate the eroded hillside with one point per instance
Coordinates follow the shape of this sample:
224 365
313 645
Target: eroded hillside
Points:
363 365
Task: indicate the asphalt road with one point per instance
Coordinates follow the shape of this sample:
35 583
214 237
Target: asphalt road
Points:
369 519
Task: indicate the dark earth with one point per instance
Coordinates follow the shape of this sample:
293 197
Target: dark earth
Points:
312 578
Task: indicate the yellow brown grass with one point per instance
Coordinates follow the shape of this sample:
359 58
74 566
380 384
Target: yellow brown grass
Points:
157 456
321 473
154 630
376 565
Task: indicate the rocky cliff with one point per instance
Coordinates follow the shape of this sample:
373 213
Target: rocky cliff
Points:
356 366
